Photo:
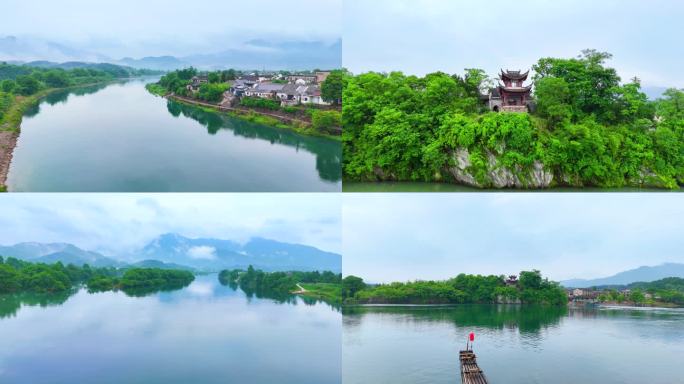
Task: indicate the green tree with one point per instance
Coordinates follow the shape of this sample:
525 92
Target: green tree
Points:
27 85
553 99
351 285
331 88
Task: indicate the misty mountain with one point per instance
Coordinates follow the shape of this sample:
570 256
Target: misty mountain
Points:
163 63
641 274
173 251
160 265
54 252
32 49
254 54
215 254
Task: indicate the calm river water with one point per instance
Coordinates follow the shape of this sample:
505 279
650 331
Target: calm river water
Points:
514 345
205 333
121 138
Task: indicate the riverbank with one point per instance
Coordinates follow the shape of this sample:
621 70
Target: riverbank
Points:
11 124
331 293
299 126
11 127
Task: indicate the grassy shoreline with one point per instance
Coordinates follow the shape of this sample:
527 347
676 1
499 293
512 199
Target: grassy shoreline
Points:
323 291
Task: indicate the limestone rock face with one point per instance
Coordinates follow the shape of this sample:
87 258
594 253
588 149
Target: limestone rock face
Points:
499 176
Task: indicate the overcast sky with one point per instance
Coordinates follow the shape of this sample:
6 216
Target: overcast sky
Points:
399 237
421 36
169 27
114 223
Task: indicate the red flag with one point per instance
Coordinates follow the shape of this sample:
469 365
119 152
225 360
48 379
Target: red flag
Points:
472 336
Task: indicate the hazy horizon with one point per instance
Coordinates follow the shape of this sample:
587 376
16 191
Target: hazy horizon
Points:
402 237
255 35
117 224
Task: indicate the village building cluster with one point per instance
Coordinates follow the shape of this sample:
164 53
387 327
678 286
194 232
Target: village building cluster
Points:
289 90
592 295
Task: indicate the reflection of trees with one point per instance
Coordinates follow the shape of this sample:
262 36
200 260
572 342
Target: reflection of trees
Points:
10 304
526 318
328 152
61 96
280 297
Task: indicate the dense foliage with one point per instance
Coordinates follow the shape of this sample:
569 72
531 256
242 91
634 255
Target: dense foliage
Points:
588 128
669 290
143 280
22 276
332 87
530 288
274 284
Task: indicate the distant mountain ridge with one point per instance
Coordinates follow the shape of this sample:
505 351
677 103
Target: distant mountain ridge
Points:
172 250
215 254
641 274
54 252
253 55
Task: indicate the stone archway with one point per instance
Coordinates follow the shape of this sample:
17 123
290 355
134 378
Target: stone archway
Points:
496 108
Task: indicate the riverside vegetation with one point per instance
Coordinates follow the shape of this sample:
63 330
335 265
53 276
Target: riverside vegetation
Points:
663 292
18 276
529 288
322 121
21 86
324 286
588 129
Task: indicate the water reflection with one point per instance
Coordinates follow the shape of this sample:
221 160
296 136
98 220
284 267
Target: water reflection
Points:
204 333
526 319
135 142
328 153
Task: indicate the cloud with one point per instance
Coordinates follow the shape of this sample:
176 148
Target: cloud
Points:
120 224
421 36
169 27
202 252
565 235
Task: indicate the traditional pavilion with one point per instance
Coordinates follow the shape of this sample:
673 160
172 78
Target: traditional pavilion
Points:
512 95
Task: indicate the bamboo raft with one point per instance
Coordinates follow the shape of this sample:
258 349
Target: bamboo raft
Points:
470 372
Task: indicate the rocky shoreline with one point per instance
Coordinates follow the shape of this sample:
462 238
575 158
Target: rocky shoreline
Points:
8 140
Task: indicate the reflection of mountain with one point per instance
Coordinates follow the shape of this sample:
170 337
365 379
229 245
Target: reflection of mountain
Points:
527 319
641 274
328 152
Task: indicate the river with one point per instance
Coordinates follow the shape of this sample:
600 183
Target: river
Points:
513 344
120 138
205 333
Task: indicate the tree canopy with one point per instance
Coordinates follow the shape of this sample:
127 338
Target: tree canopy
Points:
589 129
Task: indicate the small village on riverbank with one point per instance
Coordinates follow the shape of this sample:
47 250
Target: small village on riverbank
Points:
310 102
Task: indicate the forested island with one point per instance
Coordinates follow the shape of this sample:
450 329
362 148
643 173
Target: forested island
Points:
280 102
18 276
323 286
529 288
587 129
22 86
